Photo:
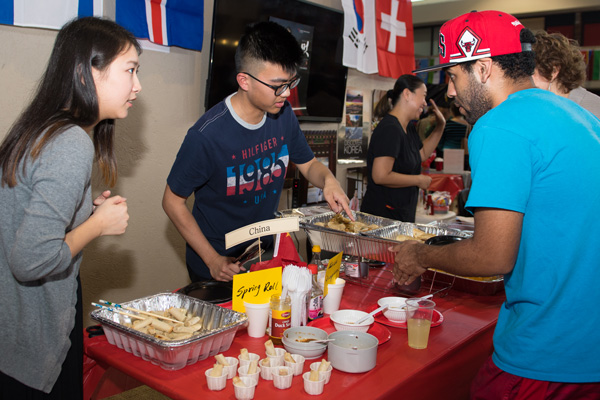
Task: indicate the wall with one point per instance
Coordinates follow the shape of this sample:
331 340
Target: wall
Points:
149 257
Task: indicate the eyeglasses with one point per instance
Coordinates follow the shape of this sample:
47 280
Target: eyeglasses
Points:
281 88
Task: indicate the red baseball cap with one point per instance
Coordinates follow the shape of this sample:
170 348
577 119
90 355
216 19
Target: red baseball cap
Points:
477 35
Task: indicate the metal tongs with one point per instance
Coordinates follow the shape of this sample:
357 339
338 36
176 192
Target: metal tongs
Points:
251 252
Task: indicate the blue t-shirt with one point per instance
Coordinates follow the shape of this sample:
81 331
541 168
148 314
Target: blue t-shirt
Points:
236 171
537 154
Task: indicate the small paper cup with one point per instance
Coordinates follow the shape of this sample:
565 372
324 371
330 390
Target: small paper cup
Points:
313 387
232 368
326 374
215 382
298 366
266 372
251 356
243 371
282 381
245 392
277 359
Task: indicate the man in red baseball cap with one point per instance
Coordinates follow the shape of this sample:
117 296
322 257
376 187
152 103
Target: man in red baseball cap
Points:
530 151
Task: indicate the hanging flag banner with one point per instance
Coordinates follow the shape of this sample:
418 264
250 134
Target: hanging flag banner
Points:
168 23
395 43
360 49
49 14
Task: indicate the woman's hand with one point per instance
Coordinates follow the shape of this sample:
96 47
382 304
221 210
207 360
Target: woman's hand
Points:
424 181
439 117
100 199
111 215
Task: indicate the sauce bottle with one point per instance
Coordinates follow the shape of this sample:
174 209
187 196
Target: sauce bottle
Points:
315 302
279 317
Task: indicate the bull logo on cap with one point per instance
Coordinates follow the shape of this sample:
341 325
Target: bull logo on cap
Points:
468 42
468 46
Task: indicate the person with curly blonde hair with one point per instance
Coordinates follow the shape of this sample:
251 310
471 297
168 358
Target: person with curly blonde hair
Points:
560 68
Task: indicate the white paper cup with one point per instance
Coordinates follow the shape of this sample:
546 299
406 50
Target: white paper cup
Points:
245 392
331 302
215 382
282 381
298 366
243 372
266 372
326 374
277 359
313 387
232 368
251 356
258 318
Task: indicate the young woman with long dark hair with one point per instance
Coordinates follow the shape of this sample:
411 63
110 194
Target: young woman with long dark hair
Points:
46 211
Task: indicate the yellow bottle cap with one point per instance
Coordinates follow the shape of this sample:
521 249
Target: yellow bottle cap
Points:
316 248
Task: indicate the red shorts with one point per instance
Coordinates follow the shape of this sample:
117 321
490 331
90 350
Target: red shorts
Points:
491 383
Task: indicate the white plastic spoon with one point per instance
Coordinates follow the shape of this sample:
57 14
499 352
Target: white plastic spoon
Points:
363 319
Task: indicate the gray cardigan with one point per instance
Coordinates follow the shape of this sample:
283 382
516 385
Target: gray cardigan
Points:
37 274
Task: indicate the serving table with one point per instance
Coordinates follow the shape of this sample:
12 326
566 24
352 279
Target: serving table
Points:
456 350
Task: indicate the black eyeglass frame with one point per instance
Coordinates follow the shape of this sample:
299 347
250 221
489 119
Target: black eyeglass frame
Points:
279 90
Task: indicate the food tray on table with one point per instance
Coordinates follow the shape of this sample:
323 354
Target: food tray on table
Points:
219 326
349 242
478 286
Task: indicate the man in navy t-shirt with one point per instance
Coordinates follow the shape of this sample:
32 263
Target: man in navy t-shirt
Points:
234 159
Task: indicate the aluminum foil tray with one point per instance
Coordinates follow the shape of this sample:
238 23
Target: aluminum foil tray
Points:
219 328
375 244
350 243
468 285
406 228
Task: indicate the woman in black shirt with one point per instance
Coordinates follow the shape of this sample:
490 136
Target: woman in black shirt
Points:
395 151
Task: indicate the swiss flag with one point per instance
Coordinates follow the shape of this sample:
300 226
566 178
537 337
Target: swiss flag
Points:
395 43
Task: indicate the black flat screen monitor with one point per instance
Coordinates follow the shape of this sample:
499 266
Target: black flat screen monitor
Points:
320 94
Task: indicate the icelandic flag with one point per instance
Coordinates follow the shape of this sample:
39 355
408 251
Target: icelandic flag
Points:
360 49
165 22
51 14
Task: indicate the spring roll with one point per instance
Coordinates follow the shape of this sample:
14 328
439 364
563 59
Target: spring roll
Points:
139 324
177 314
244 354
314 376
217 370
324 366
163 326
266 362
288 357
237 381
269 348
221 360
252 367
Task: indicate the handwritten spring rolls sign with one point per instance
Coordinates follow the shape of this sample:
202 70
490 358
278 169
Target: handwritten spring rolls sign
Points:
260 229
333 271
255 287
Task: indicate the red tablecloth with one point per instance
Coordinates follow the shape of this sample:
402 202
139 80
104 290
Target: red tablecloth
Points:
451 183
456 350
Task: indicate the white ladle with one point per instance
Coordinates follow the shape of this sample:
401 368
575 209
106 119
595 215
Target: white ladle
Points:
363 319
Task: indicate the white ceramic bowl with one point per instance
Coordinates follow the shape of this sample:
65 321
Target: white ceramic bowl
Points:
294 341
344 320
397 313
